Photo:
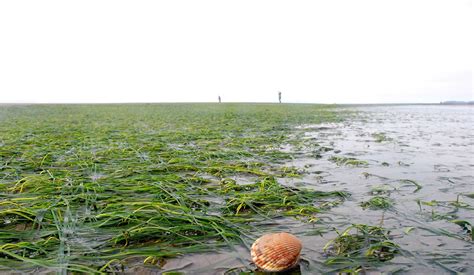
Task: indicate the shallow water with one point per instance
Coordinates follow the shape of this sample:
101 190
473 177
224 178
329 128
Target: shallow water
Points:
432 145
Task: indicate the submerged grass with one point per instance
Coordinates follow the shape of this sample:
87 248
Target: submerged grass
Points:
360 246
87 188
377 202
380 137
348 161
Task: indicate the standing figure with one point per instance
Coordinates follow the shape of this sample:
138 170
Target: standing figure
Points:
279 96
219 97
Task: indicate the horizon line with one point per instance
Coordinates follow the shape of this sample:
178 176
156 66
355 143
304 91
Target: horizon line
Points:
449 102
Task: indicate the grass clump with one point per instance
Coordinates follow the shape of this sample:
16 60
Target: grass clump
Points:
380 137
360 245
348 161
269 198
377 202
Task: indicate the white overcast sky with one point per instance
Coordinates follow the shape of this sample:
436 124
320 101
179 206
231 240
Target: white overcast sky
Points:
329 51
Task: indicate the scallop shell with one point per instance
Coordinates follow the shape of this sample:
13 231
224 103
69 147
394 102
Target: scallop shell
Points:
276 252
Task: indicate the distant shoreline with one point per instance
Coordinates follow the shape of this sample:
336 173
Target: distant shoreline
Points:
457 103
449 103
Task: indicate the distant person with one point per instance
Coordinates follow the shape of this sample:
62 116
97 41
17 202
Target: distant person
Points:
279 96
219 97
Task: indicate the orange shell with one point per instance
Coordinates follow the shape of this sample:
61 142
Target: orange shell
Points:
276 252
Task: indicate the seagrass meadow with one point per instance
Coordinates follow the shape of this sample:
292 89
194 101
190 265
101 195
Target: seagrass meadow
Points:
170 188
88 187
